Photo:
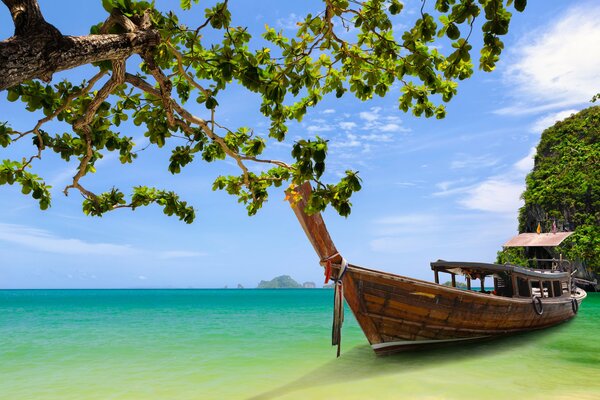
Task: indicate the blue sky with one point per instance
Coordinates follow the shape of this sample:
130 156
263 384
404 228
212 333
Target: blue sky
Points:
432 189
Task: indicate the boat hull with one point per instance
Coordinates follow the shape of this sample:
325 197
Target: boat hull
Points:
398 313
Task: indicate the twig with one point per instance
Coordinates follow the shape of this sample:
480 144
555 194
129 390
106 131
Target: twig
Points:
83 125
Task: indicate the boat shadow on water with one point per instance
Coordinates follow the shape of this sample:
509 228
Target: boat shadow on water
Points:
360 363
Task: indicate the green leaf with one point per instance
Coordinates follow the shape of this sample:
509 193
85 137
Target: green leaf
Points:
395 7
108 5
453 32
12 95
211 103
520 5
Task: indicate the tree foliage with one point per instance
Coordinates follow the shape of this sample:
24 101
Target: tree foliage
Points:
185 65
564 186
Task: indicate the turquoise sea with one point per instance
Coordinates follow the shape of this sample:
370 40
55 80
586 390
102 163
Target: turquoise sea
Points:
263 344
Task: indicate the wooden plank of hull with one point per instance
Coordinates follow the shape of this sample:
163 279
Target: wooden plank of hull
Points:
406 313
463 308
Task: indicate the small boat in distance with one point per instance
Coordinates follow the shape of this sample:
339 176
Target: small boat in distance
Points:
398 313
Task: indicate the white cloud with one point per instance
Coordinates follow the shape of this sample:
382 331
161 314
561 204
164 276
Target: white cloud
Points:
370 116
60 180
418 233
448 188
395 244
407 219
289 22
357 137
558 65
500 194
347 126
392 127
472 162
41 240
525 164
406 184
319 128
142 277
403 224
329 111
526 108
373 137
496 195
375 121
349 141
47 242
180 254
548 120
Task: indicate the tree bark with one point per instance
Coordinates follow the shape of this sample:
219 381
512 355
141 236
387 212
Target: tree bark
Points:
38 49
27 16
28 58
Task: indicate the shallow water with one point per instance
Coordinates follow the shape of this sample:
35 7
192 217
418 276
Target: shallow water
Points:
263 344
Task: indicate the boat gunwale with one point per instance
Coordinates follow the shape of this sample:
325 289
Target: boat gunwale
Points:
406 279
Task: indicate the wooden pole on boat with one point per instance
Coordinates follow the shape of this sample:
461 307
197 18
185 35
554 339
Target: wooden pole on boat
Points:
436 274
482 283
453 280
317 234
313 225
541 288
468 283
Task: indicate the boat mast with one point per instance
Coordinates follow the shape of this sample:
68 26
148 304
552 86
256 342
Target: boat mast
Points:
313 225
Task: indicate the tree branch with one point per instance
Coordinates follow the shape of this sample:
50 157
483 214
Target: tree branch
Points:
192 119
24 58
27 18
83 125
61 108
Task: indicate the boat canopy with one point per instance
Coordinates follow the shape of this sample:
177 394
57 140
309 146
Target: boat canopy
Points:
462 267
538 239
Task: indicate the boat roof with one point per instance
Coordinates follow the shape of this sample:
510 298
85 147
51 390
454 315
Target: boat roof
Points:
459 267
548 239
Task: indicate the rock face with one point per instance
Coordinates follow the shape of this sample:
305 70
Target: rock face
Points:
309 285
563 189
281 282
239 286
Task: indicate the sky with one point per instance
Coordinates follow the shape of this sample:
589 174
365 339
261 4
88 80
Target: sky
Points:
432 189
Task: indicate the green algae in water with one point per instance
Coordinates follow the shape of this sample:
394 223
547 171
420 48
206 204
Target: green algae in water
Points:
263 344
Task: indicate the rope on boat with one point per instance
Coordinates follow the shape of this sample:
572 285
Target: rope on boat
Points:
574 305
338 299
338 307
327 262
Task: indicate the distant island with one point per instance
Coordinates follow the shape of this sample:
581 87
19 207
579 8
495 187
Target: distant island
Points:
459 285
284 282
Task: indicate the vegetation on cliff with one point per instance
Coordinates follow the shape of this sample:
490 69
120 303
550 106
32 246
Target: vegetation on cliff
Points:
564 186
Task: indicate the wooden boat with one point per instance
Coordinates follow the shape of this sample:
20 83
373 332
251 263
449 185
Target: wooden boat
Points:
397 313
